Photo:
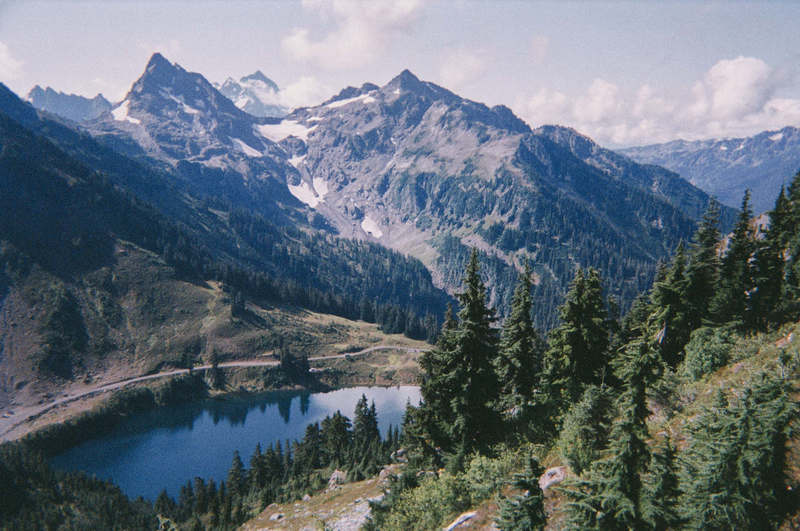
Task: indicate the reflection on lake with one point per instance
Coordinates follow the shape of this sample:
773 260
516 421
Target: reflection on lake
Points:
166 447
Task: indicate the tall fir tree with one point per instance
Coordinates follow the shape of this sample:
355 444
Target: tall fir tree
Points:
578 352
661 492
731 301
768 299
668 321
702 272
519 360
459 385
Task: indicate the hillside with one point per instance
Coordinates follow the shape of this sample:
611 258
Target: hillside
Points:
97 285
727 167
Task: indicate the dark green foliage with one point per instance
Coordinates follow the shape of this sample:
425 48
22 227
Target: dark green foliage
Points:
767 301
459 384
524 511
584 432
34 496
707 350
661 510
578 348
702 272
733 474
520 356
668 322
731 302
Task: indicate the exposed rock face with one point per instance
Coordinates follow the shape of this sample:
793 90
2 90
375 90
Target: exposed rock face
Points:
255 94
418 169
69 106
180 119
726 167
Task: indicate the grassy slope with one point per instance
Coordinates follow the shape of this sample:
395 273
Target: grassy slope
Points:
136 317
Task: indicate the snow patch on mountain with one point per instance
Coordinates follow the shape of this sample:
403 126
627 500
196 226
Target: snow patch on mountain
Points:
296 161
304 193
364 98
246 149
776 137
371 227
284 129
321 187
120 114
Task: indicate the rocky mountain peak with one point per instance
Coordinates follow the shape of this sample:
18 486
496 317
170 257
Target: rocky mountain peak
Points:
259 77
71 106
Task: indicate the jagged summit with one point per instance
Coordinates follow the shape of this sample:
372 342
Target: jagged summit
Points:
70 106
255 94
259 76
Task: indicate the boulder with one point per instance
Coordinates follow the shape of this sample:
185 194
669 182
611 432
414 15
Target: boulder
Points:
552 476
461 520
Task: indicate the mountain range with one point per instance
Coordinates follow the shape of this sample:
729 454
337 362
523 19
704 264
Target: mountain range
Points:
416 168
726 168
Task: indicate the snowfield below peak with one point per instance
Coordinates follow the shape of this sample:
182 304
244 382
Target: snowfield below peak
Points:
371 227
246 149
120 114
284 129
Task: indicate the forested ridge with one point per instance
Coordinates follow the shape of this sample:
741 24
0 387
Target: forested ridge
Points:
618 401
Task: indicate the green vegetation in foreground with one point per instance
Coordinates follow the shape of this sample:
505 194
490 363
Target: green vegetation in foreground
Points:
681 416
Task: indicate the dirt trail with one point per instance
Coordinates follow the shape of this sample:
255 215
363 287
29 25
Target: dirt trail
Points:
19 415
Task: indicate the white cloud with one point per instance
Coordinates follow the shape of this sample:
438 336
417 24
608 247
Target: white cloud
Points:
10 68
304 92
539 48
459 67
735 97
738 87
362 32
599 103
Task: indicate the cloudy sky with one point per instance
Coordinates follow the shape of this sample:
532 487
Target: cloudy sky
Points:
625 73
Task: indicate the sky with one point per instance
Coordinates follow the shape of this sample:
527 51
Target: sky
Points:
624 73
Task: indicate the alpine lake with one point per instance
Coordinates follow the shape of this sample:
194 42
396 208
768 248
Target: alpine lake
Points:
166 447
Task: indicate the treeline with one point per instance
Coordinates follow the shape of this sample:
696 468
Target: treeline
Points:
336 450
593 386
33 496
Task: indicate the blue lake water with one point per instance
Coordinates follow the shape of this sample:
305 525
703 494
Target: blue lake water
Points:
166 447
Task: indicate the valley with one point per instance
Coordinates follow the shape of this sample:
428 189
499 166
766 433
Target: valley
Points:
347 296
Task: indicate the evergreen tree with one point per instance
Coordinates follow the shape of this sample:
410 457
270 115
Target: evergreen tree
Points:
767 303
578 352
731 300
524 511
585 431
668 322
459 385
661 511
519 361
612 495
365 426
236 475
702 273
